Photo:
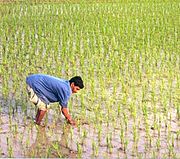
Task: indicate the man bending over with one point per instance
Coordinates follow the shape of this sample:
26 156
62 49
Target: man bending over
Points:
45 89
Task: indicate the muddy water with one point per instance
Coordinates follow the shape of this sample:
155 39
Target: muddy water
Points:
20 137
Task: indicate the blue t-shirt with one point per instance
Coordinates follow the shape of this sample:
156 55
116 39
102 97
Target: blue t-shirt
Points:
50 89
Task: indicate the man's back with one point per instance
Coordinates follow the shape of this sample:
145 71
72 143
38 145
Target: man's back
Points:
50 89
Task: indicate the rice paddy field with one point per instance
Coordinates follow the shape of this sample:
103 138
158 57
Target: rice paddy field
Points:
127 53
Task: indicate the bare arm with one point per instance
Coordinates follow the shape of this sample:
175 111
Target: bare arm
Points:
67 116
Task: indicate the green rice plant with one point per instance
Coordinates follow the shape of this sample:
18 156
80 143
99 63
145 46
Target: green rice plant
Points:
154 153
79 126
126 145
9 148
125 119
15 130
99 133
57 149
158 144
122 135
83 137
119 110
27 142
85 133
10 151
123 139
95 149
133 111
135 136
48 153
79 150
71 133
109 142
171 150
149 137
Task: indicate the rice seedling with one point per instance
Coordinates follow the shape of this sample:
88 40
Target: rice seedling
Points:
109 142
57 149
95 149
99 133
9 147
79 150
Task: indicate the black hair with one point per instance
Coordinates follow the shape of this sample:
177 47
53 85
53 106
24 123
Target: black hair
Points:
77 81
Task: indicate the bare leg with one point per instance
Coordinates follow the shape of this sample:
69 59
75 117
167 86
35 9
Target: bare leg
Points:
37 115
40 116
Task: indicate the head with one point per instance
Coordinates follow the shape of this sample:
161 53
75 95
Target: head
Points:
76 84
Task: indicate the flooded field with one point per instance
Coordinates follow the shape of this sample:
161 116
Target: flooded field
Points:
124 137
128 56
56 139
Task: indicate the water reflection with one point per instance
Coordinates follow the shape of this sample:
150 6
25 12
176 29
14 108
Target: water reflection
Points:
46 147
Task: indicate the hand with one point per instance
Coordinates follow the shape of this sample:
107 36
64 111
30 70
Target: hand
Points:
68 117
72 122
